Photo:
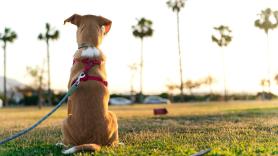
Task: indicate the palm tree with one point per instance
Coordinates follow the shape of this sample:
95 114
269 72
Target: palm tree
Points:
133 69
223 41
50 34
141 30
8 36
264 23
37 75
176 6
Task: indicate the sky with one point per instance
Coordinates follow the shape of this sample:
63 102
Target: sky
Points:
245 57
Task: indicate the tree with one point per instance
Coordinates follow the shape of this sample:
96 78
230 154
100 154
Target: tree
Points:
37 75
176 6
265 83
222 41
50 34
189 84
133 69
141 30
209 80
171 87
8 36
264 23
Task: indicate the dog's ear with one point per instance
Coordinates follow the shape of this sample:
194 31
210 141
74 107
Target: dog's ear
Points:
74 19
105 22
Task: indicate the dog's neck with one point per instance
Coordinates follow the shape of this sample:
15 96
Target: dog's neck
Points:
85 45
88 50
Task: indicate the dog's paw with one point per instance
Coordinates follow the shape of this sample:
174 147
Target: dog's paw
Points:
121 144
69 151
61 145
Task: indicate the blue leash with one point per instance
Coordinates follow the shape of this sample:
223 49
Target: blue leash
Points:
69 93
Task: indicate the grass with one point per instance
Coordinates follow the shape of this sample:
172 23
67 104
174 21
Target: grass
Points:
233 128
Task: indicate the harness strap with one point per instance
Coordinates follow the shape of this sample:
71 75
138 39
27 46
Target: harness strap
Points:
88 64
95 78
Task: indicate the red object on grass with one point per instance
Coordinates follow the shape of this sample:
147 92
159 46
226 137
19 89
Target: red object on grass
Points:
160 111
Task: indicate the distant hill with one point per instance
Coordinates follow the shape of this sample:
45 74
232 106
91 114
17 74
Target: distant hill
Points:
11 84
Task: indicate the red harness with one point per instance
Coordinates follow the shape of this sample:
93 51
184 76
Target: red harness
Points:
88 64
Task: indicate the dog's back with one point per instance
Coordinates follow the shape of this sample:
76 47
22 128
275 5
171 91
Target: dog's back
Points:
89 123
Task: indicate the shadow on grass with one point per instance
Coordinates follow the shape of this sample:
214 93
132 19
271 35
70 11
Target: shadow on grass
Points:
39 142
231 115
227 115
174 123
15 149
244 132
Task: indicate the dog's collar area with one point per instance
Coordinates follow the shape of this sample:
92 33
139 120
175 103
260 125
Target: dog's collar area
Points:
85 45
89 64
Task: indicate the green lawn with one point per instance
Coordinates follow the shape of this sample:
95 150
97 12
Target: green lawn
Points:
233 128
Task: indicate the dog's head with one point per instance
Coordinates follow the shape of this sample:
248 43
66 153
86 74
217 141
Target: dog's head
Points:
90 28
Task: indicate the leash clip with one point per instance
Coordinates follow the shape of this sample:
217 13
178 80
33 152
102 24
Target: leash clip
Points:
81 75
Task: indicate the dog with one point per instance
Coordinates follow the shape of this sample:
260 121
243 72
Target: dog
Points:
89 124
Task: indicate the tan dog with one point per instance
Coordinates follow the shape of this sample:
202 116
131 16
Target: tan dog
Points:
89 124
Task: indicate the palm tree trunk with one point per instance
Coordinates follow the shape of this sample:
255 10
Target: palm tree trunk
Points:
224 76
40 96
5 77
141 72
40 99
48 74
131 83
268 67
180 59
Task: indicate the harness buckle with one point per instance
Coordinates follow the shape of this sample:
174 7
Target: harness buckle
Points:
81 75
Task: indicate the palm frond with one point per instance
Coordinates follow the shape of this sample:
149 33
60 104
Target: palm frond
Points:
8 36
176 5
264 21
143 28
40 37
49 34
225 37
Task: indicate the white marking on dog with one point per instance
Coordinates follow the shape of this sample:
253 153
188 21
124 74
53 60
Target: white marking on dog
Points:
90 52
69 151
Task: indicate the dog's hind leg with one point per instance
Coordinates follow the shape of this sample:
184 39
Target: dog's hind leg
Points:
67 137
113 139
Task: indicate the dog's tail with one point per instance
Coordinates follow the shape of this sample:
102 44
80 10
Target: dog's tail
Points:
84 147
